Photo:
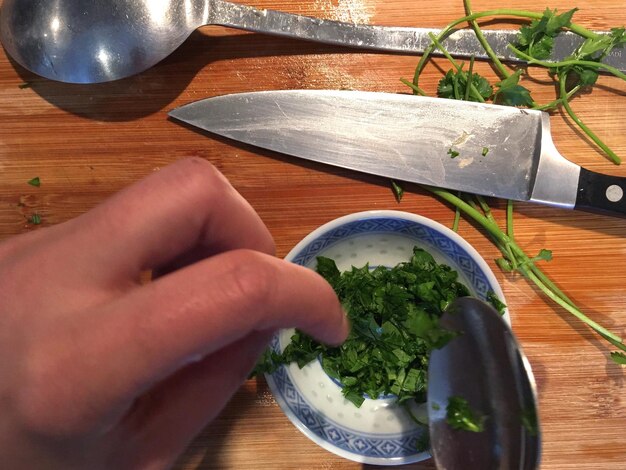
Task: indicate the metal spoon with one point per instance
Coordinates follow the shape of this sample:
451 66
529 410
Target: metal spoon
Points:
93 41
485 366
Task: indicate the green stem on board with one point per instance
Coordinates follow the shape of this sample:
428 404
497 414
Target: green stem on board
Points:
605 148
527 265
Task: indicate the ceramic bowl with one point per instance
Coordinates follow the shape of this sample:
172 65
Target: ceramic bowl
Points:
379 432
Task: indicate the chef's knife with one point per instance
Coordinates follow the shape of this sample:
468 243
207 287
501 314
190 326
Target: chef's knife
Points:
484 149
407 40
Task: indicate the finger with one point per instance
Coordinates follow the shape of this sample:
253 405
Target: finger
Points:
123 349
170 416
184 207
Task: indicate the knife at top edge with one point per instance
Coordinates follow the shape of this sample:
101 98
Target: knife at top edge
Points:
463 43
460 43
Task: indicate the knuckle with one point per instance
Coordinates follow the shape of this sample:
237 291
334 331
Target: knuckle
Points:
200 177
255 279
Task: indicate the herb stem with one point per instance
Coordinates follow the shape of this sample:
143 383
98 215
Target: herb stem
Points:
616 340
509 218
505 248
457 218
559 100
454 63
416 90
527 267
468 84
483 41
605 148
501 12
568 62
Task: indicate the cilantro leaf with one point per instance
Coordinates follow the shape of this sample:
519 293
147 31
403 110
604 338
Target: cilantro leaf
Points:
544 255
598 47
529 420
328 269
495 302
35 181
453 153
511 93
592 49
459 415
34 219
619 357
422 443
454 84
537 38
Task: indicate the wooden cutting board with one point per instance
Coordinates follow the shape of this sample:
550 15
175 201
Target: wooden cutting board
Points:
86 142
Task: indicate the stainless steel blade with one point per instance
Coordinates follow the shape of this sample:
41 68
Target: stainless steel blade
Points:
460 43
403 137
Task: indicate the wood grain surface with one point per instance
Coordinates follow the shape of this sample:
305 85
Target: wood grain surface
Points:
87 142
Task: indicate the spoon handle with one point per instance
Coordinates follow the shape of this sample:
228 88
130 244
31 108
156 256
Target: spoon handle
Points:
462 43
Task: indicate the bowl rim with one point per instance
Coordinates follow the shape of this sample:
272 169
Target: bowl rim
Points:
380 214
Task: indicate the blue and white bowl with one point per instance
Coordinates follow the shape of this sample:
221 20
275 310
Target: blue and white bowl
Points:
380 432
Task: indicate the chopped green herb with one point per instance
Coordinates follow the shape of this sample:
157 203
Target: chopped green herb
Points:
34 219
618 357
495 302
423 442
394 315
485 151
460 416
24 85
35 181
436 407
398 190
453 153
544 255
529 421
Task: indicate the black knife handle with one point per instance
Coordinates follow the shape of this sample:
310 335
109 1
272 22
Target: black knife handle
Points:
601 193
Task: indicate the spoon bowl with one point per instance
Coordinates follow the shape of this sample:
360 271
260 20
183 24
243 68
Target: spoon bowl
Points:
485 367
95 41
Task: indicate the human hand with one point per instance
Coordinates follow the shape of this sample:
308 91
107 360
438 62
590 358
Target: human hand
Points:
99 370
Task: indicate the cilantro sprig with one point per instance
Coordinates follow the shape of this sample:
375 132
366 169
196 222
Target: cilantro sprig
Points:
537 38
534 44
580 70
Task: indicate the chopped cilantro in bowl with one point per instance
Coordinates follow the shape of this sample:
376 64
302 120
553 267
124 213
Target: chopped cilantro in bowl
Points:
318 392
394 313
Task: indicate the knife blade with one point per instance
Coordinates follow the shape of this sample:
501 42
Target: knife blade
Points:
407 40
485 149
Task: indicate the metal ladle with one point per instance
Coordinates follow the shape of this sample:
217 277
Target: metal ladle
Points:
484 366
95 41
